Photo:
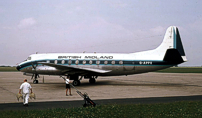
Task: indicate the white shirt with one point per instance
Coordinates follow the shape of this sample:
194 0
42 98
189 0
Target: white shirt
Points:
25 87
67 81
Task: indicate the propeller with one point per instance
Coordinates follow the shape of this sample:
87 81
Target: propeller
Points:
35 75
34 67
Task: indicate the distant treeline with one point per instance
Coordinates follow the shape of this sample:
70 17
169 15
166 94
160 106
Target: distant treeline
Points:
182 70
7 68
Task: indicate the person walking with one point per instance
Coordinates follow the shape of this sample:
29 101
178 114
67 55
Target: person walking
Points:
68 86
25 88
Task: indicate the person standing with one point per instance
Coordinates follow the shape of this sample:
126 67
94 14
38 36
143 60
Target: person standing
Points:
68 86
25 87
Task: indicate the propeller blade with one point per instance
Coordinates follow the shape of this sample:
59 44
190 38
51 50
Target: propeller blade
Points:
33 66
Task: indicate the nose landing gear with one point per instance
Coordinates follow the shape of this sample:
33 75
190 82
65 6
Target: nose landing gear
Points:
35 81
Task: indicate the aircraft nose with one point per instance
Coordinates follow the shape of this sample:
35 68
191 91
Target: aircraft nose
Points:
18 68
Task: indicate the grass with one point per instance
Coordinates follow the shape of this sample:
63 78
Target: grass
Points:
182 70
7 69
165 110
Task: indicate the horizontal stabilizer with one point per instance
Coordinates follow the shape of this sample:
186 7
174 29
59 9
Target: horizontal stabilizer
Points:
173 56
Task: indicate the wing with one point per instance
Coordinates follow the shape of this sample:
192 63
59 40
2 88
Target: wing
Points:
73 70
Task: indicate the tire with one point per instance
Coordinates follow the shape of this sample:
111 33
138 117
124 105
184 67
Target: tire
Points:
35 81
76 83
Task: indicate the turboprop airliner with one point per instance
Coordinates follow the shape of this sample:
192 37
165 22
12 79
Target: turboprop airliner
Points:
91 65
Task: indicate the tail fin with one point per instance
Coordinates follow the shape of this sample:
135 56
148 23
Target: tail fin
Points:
171 49
173 45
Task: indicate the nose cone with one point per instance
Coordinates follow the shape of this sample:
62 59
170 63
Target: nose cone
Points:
18 68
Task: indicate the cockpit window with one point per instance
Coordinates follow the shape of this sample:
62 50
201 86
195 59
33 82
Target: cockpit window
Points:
29 58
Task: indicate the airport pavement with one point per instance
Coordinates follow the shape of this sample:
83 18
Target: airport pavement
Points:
141 86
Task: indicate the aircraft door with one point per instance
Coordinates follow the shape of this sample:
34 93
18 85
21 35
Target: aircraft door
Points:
129 66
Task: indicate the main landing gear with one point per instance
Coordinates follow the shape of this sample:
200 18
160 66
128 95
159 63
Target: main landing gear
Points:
77 82
92 79
76 79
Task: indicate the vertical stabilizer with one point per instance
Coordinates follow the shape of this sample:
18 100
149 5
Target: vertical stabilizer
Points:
170 50
172 41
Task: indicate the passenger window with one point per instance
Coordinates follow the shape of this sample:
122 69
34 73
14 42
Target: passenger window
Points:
90 62
84 62
56 61
106 62
113 62
63 61
97 62
77 62
69 62
121 62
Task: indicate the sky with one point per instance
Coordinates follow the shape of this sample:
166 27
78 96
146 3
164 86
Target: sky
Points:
111 26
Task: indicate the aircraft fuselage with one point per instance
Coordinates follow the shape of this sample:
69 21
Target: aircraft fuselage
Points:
118 64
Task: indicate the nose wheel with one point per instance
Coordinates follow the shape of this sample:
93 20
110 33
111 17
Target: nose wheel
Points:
35 76
35 81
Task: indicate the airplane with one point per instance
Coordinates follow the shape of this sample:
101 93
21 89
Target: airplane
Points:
91 65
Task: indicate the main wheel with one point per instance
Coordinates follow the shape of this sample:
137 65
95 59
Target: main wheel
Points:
76 83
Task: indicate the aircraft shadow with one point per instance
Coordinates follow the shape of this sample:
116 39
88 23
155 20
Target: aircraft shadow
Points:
125 83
